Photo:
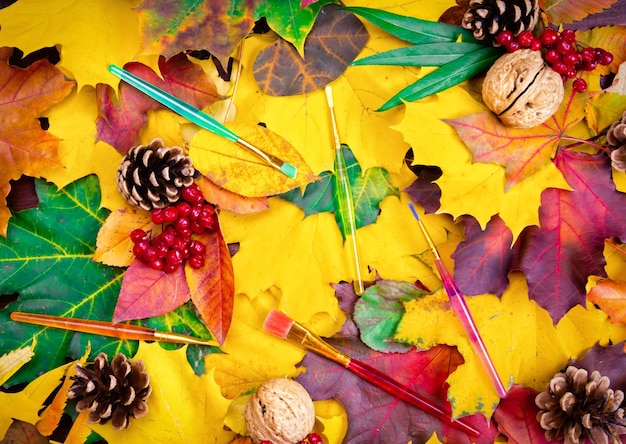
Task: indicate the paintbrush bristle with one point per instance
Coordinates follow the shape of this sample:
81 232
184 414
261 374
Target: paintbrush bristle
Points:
412 207
277 323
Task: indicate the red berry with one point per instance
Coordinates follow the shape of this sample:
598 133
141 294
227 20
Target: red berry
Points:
265 441
314 438
156 264
192 194
157 216
568 35
183 209
549 36
165 238
174 257
571 58
535 44
170 214
195 227
197 247
140 247
206 221
170 268
504 38
560 67
161 250
571 73
185 233
525 38
552 56
150 254
512 46
563 46
589 66
605 58
182 223
196 261
579 85
587 54
195 212
138 234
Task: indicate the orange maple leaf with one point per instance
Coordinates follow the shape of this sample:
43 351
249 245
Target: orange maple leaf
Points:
25 148
522 152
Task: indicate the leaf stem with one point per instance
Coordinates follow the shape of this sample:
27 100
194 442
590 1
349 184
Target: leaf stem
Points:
590 141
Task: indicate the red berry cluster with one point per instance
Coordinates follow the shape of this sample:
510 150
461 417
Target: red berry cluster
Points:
561 51
169 249
311 438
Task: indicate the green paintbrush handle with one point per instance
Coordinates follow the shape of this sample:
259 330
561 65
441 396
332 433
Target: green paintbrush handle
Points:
184 109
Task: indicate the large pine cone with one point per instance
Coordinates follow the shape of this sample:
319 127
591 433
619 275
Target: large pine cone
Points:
577 407
151 176
616 139
487 18
114 392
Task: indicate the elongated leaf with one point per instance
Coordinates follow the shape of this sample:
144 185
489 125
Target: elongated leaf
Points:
412 29
448 75
428 54
47 259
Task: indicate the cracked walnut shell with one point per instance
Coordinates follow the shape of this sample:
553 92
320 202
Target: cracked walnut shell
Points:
280 411
522 90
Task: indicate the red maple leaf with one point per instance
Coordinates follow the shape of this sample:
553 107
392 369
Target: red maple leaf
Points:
120 120
558 256
516 417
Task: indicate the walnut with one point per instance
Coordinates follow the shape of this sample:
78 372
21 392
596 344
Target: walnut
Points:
280 411
522 90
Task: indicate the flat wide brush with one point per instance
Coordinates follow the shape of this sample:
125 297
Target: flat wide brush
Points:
279 324
462 311
120 331
200 118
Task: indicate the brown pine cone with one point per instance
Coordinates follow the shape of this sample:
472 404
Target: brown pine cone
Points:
616 139
487 18
151 176
576 407
115 392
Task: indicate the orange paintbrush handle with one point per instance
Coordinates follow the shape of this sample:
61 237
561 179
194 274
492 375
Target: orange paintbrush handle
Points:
120 331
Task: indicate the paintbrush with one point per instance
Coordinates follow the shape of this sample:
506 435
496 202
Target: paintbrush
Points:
344 194
120 331
200 118
279 324
462 311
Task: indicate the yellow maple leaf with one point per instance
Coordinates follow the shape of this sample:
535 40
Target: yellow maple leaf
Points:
73 121
465 184
102 33
183 407
526 347
11 362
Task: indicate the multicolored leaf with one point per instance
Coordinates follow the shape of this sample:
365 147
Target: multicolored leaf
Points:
558 256
171 27
335 40
610 296
568 11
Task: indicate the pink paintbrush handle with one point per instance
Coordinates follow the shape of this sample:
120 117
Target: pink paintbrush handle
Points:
465 316
404 393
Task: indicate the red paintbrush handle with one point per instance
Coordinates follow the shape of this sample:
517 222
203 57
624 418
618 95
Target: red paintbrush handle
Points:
404 393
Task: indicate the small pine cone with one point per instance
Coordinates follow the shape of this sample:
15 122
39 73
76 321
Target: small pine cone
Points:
616 139
487 18
151 176
112 392
576 407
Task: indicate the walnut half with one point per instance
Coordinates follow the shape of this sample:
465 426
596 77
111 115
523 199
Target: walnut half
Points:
522 90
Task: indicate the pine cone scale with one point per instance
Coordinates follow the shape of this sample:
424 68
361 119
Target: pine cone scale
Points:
487 18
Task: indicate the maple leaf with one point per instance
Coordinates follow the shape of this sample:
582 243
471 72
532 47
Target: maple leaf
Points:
335 40
376 416
558 256
368 191
120 121
171 27
610 296
608 360
25 147
522 152
21 432
516 417
484 259
568 11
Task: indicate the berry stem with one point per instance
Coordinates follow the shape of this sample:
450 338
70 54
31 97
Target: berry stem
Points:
590 141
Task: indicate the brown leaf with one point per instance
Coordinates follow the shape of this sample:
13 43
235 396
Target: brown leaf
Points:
213 286
25 148
21 432
335 40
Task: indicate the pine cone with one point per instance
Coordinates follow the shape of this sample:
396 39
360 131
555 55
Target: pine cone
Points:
111 392
151 176
487 18
577 407
616 139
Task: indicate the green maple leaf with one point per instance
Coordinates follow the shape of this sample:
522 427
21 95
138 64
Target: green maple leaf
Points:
368 191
